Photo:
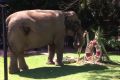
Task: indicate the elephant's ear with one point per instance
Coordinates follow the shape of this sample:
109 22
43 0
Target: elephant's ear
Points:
70 15
72 22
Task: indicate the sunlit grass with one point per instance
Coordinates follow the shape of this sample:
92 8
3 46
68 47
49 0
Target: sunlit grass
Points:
39 70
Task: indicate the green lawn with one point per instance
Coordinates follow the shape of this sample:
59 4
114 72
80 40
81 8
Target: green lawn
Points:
40 71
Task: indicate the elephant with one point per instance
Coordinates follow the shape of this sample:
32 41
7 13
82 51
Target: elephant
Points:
30 29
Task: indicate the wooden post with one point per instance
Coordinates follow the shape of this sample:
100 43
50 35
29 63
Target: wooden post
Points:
3 6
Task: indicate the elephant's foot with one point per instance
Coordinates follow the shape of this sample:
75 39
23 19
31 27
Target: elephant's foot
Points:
59 64
50 62
13 70
23 68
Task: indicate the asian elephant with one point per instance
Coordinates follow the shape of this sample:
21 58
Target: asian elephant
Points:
36 28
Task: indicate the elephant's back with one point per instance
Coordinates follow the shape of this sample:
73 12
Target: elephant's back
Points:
33 23
30 17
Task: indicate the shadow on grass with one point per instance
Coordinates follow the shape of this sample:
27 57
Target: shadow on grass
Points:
111 63
54 72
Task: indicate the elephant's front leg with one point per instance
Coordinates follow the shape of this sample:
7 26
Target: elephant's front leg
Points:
59 50
51 51
13 68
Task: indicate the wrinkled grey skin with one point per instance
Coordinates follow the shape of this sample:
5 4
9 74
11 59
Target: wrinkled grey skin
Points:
36 28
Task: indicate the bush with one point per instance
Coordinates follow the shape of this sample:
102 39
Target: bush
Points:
113 43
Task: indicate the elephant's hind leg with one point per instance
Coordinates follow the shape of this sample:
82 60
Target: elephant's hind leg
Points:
51 51
13 68
21 61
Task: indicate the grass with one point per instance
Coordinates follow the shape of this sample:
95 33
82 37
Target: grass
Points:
39 70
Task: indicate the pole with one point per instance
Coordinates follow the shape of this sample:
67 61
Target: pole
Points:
4 41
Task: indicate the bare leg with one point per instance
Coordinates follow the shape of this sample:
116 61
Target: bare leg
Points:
51 51
13 68
22 63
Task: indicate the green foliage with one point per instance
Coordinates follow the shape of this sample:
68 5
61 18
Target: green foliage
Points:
113 43
110 42
103 13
